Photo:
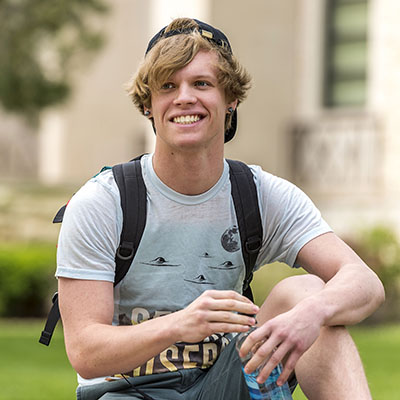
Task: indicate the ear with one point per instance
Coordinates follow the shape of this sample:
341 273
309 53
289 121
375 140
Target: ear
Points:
146 112
232 105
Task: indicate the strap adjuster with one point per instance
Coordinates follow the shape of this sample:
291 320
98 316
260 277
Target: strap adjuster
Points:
45 338
253 245
125 251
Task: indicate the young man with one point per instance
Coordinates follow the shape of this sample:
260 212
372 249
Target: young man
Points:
165 331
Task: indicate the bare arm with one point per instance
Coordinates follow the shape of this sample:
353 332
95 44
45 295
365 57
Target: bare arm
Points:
352 292
96 348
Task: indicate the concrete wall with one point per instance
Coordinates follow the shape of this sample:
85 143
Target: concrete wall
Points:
357 207
99 125
261 34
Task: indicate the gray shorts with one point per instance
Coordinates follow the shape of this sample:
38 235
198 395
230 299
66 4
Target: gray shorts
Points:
224 380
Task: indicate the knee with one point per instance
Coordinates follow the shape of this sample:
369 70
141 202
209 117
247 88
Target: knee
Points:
290 291
296 288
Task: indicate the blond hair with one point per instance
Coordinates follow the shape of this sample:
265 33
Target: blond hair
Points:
172 53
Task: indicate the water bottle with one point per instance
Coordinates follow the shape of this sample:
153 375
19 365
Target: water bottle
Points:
268 390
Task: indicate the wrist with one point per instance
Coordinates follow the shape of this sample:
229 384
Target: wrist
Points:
172 327
315 306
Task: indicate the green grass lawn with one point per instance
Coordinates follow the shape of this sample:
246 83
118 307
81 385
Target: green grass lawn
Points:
29 370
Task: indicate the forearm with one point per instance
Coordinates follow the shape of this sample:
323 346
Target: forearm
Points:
350 296
102 349
96 348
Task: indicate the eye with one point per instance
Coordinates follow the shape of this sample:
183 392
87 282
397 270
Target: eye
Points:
167 85
202 83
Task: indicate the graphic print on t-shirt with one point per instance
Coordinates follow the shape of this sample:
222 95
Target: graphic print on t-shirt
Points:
230 239
200 279
159 262
181 276
225 265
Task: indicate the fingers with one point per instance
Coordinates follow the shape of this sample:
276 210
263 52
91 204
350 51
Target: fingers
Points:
276 342
276 357
228 308
289 367
232 318
227 294
215 312
254 341
268 356
227 300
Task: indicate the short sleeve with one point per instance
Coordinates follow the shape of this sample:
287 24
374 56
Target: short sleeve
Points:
289 217
90 231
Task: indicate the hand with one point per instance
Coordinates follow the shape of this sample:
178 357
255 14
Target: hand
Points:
215 311
283 338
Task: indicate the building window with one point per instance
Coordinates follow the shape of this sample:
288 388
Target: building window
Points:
346 53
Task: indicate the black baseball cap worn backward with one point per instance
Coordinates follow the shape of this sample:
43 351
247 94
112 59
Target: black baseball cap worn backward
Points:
213 35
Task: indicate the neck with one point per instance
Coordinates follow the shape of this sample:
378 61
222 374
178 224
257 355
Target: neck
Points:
188 173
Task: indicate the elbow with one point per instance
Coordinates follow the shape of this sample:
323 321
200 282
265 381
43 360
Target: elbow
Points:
84 363
86 372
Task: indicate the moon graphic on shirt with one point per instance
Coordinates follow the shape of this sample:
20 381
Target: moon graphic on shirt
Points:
230 239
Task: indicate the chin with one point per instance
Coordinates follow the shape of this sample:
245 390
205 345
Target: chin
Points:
189 140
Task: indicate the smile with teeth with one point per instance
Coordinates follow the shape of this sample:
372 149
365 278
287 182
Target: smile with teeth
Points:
186 119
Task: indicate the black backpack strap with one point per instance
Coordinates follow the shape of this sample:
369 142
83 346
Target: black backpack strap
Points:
52 319
54 314
245 199
128 177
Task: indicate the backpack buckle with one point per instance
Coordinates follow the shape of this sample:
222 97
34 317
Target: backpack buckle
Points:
125 251
253 245
45 338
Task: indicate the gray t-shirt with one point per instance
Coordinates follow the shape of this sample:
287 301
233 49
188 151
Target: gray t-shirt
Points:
190 244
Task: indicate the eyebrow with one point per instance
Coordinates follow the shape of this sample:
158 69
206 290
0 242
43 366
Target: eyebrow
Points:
205 77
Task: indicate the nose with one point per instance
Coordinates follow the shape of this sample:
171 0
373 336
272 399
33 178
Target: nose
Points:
185 95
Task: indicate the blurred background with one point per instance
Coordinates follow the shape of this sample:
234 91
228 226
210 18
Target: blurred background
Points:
322 113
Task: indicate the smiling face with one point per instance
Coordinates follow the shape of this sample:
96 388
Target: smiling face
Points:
190 108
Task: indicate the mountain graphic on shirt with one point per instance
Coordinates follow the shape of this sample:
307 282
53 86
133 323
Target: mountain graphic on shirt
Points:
225 265
160 262
200 280
206 255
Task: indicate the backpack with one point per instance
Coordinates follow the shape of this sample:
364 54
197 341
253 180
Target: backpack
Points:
128 177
